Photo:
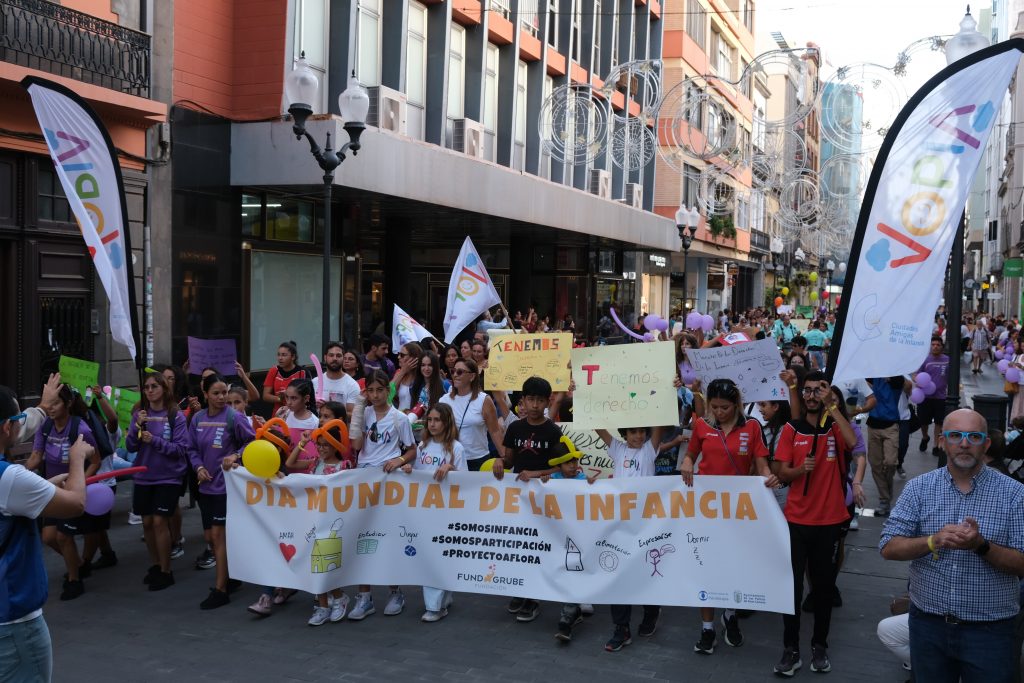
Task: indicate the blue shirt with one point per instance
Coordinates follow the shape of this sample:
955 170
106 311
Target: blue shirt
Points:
559 475
960 583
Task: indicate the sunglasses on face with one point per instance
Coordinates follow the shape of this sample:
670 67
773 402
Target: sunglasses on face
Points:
151 387
957 437
814 391
458 372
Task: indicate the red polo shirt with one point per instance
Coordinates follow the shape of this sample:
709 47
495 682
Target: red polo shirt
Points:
824 502
728 454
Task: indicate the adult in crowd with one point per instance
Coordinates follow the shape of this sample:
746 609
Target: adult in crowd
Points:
933 409
783 332
449 359
376 357
884 435
25 650
981 341
280 376
429 387
352 365
813 451
962 529
815 345
338 385
408 368
475 414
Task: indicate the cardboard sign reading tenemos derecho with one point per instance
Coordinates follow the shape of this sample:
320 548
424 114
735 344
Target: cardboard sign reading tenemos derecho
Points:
635 541
754 366
514 358
627 385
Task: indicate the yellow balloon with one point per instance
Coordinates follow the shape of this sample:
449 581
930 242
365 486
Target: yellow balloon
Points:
487 465
814 296
261 459
785 291
813 276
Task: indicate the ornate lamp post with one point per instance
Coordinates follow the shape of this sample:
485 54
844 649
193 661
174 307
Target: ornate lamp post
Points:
687 221
302 87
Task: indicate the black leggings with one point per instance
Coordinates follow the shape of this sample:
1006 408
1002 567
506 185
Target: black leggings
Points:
812 548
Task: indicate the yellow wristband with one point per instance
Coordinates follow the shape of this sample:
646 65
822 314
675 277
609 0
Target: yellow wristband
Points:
792 386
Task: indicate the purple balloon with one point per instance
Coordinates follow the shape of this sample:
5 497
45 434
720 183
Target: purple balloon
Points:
916 396
1012 375
999 354
693 320
663 325
99 499
1003 365
652 322
923 379
648 337
686 373
707 323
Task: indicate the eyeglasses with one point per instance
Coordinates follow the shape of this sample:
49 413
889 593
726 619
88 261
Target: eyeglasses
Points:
957 437
151 387
20 417
458 372
813 391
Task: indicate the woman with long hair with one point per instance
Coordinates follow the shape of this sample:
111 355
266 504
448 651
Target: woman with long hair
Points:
429 387
352 365
775 415
450 357
409 356
475 414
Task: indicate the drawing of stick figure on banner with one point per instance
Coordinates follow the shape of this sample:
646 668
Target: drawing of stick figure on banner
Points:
655 555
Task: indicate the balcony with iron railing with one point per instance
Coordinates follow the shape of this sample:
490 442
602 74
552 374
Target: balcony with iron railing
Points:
65 42
760 242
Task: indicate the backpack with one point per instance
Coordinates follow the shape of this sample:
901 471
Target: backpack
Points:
99 432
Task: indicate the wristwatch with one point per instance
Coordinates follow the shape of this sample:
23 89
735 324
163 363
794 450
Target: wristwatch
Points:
983 549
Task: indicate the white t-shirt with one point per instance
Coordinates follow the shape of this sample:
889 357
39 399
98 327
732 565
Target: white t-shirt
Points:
632 462
344 390
23 493
469 419
384 438
433 455
107 463
404 396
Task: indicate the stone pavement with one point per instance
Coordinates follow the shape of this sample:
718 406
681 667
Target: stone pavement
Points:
118 631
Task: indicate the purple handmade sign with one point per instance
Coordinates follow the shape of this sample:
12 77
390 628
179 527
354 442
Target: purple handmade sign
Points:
218 354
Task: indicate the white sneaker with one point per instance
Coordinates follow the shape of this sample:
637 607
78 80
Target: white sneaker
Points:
364 607
854 524
134 519
339 607
431 616
586 609
396 603
320 616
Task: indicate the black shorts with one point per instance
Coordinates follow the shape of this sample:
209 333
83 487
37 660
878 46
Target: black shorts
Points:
83 524
931 410
214 507
155 499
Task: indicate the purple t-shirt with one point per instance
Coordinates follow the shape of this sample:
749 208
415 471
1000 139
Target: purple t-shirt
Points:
937 368
209 441
166 455
56 446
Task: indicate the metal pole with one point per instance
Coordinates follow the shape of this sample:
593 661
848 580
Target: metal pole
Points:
686 252
328 192
954 307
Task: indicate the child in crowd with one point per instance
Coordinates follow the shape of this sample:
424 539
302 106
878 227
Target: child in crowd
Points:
238 399
387 443
439 452
530 443
633 457
335 452
299 417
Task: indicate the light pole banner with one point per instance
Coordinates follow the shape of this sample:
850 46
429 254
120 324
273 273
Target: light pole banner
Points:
646 540
912 207
405 329
470 292
86 163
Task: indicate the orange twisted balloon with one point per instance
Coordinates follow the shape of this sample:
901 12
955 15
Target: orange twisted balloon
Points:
343 447
265 433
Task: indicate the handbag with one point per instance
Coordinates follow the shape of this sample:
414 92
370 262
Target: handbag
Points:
1010 387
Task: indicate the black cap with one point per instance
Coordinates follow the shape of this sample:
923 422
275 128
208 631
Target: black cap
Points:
8 404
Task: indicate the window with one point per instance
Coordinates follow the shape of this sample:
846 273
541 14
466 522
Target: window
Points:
743 214
696 22
491 90
577 37
750 81
694 94
416 60
457 73
529 18
368 35
289 219
691 177
521 107
723 59
252 215
501 7
757 211
53 203
595 62
747 9
311 32
553 23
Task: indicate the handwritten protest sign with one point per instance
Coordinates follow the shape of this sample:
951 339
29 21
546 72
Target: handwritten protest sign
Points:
124 401
626 385
218 354
515 357
632 540
754 366
595 460
80 374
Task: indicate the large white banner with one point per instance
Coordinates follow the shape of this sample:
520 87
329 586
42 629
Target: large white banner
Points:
651 540
470 292
404 329
87 166
912 208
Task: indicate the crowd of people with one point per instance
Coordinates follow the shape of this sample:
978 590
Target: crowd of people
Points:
425 408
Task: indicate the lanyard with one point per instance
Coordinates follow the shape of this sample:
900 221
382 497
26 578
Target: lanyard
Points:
721 435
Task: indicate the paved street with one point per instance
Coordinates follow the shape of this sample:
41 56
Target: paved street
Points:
119 631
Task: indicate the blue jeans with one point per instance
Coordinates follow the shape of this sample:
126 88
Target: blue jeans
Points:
25 652
972 653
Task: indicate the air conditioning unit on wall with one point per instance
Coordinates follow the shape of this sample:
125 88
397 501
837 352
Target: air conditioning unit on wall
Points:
601 183
387 109
468 138
635 195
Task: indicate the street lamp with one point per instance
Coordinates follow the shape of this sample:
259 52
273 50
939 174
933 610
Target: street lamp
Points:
302 88
829 267
966 41
686 223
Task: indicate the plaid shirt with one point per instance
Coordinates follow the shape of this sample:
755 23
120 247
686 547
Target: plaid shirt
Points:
960 583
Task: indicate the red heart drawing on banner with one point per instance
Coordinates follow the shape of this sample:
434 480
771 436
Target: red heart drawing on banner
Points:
287 550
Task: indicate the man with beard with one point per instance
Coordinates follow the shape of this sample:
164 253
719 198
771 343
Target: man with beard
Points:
962 529
338 386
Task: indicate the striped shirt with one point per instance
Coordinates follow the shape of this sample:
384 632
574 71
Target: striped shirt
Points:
960 583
